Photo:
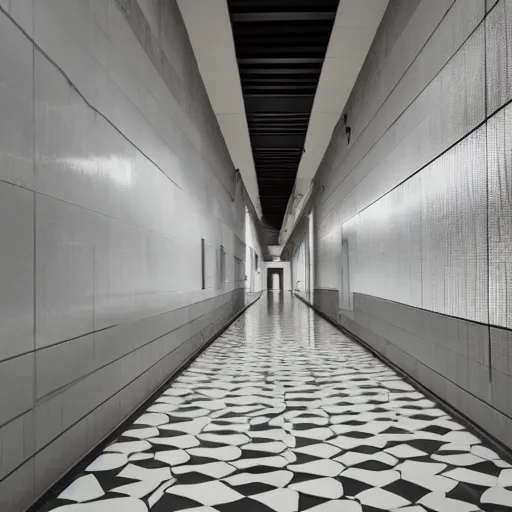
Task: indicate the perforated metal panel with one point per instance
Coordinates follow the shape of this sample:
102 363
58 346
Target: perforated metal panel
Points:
425 243
454 231
500 217
499 55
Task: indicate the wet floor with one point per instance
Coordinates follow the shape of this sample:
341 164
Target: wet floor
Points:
284 413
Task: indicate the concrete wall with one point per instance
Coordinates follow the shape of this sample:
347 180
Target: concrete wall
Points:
421 198
112 169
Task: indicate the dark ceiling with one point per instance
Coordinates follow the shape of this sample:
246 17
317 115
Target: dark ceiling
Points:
280 47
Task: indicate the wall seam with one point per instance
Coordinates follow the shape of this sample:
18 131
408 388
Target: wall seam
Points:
487 184
393 89
399 116
90 333
105 118
230 314
456 143
34 254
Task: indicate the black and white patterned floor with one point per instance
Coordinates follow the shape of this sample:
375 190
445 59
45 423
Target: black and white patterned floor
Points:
283 413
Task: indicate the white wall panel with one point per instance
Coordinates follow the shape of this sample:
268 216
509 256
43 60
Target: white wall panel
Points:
65 244
108 182
415 109
22 11
16 271
16 105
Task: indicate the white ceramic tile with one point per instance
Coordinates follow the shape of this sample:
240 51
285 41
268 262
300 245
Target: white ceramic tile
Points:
275 478
404 451
85 488
321 487
270 447
353 458
182 442
471 477
157 495
381 498
134 472
226 453
276 462
319 450
280 500
497 496
373 478
108 461
324 467
440 503
172 457
208 493
231 439
190 427
138 489
129 447
153 419
141 433
140 456
463 459
212 469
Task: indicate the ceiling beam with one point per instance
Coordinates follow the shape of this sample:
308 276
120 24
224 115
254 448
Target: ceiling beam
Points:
258 17
280 71
248 50
274 87
279 104
280 60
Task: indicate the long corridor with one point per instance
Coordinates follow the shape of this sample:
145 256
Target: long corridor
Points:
284 413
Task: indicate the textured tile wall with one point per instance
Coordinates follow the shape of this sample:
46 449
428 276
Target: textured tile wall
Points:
112 169
422 194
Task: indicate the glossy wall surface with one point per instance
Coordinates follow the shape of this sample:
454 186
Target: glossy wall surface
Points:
421 196
112 170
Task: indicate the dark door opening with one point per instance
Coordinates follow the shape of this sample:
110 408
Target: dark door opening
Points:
275 279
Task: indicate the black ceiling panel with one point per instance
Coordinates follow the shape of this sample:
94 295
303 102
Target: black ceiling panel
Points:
280 47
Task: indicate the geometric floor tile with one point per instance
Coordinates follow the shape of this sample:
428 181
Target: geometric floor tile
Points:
207 493
85 488
321 487
440 503
382 499
283 413
280 500
110 505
